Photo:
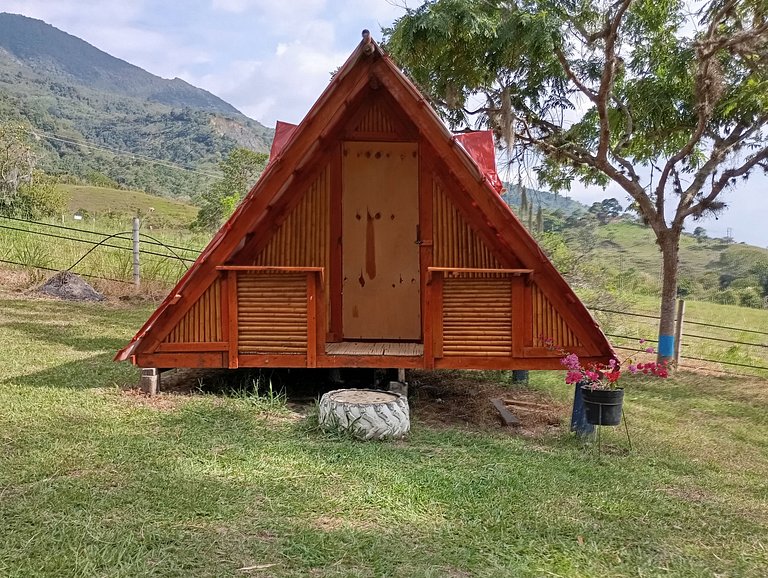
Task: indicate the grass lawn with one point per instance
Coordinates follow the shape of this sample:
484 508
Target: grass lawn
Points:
96 482
100 200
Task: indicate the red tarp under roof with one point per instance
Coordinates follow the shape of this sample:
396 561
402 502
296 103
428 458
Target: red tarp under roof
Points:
479 145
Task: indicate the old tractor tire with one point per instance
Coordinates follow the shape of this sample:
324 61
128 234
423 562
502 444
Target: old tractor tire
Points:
367 414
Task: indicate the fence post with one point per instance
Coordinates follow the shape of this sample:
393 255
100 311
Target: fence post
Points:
136 273
679 329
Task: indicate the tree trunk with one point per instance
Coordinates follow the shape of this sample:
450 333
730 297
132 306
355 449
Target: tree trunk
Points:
670 248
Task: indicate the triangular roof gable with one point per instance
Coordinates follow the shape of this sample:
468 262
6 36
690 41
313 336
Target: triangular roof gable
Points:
305 143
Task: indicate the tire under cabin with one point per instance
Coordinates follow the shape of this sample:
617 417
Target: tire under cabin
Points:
374 238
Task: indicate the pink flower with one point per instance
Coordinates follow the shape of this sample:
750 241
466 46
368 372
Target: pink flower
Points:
642 341
592 375
649 350
632 368
573 377
571 361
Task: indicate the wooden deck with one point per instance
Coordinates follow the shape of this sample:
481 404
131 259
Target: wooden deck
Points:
375 348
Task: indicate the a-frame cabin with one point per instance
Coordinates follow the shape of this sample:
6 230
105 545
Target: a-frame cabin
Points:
372 239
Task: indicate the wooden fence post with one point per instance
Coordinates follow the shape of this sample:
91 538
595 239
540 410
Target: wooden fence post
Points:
679 329
136 271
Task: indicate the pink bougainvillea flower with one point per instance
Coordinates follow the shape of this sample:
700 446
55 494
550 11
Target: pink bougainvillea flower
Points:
649 350
632 368
573 377
571 362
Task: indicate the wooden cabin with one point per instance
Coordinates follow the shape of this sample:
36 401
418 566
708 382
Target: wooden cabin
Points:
372 239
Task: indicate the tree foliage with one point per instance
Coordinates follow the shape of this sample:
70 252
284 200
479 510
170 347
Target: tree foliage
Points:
670 104
24 191
241 170
606 210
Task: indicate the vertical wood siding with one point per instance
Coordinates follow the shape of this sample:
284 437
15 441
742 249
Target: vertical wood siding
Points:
272 312
547 323
455 243
202 323
303 239
376 120
477 317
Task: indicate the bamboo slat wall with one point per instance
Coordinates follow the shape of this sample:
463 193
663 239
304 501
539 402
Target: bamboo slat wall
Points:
272 312
477 317
202 323
548 324
303 239
376 120
455 243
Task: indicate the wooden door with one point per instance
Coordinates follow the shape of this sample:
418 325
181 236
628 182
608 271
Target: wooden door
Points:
380 215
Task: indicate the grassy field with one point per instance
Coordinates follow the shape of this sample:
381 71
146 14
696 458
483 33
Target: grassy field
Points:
106 212
159 211
637 248
725 333
96 481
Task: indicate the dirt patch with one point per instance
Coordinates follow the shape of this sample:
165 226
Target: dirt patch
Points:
689 494
66 285
462 398
164 401
436 398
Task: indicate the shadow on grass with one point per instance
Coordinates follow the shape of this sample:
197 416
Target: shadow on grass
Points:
67 335
93 372
84 327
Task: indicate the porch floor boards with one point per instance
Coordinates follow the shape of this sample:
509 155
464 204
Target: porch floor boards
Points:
375 348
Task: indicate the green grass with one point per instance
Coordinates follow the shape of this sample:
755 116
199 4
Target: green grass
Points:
159 211
637 248
94 482
109 212
733 325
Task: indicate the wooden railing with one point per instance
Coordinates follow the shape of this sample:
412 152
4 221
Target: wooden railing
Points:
278 310
471 311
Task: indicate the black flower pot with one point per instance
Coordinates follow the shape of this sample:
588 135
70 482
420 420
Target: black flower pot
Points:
603 406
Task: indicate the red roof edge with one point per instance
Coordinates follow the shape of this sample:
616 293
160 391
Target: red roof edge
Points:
480 147
283 133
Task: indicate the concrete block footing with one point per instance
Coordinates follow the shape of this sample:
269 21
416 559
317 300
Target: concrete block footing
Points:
150 380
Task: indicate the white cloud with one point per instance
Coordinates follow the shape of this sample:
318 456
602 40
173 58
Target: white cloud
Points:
282 87
279 12
118 28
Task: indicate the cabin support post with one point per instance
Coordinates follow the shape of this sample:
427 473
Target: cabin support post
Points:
232 316
150 380
312 310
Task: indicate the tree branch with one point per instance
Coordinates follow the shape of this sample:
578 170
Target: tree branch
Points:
756 159
606 80
722 147
588 92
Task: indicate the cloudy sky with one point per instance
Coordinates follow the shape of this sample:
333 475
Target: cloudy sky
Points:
272 58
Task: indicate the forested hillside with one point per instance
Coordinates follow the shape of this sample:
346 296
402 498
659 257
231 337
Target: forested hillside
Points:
101 119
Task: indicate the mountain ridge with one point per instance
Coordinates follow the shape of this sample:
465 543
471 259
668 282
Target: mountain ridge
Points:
60 53
68 91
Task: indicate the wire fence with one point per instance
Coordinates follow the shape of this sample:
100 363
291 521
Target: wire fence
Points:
52 247
725 346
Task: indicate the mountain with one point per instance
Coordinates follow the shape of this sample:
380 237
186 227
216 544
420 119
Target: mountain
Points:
544 199
99 117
